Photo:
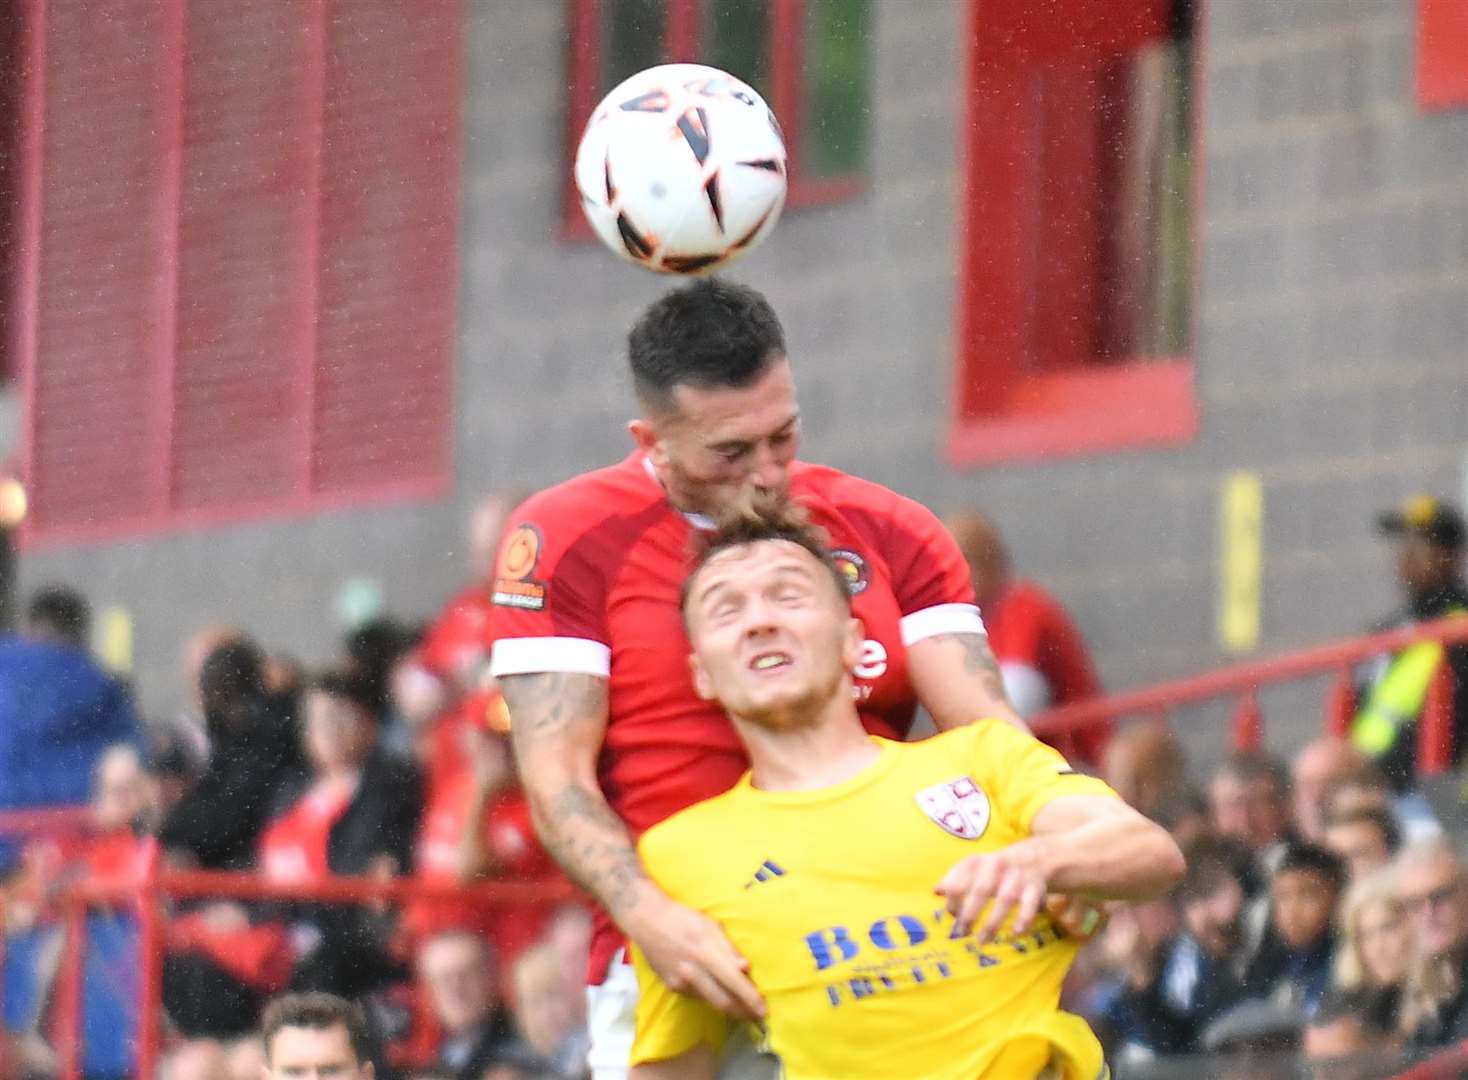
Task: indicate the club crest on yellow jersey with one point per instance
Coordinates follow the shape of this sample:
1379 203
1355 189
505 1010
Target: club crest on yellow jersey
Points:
959 806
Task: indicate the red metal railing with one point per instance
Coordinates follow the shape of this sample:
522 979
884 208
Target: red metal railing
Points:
1243 682
160 884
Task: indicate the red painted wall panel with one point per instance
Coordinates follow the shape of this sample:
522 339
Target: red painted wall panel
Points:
236 290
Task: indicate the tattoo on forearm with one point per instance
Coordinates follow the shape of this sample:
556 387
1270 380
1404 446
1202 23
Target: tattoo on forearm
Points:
578 828
979 660
589 840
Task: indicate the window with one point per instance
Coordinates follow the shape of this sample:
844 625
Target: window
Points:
236 259
1442 54
1075 312
808 58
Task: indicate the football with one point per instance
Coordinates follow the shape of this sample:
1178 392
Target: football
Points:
681 169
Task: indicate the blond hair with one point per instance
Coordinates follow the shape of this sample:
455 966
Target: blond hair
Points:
1377 889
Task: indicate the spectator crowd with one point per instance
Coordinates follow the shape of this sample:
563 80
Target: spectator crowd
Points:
1323 911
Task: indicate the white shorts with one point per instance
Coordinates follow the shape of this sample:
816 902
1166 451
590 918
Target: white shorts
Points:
611 1020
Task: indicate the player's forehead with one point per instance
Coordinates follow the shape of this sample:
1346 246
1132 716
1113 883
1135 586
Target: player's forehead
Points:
725 413
748 564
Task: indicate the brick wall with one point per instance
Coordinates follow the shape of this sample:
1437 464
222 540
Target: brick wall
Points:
1333 316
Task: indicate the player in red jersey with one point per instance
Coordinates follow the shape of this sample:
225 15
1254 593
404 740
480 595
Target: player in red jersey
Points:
589 647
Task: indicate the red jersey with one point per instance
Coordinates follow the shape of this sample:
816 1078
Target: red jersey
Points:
1043 659
588 582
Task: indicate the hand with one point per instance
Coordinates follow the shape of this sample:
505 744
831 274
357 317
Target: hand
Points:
691 955
1011 879
1080 919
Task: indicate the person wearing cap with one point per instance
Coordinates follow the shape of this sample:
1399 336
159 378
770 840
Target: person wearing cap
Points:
1430 538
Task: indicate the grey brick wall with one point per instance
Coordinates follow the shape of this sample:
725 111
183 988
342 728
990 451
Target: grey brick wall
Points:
1333 316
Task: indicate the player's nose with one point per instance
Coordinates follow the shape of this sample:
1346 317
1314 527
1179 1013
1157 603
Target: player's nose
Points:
768 471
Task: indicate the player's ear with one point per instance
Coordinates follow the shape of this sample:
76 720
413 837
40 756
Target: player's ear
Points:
701 684
852 638
645 435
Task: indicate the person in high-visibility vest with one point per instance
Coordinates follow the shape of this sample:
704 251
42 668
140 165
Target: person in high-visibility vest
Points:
1430 536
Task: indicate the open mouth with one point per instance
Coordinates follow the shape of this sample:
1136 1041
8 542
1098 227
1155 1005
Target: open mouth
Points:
770 661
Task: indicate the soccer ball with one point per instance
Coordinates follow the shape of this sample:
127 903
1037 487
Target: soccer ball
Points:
681 169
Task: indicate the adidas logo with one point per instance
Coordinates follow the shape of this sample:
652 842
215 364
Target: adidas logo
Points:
768 869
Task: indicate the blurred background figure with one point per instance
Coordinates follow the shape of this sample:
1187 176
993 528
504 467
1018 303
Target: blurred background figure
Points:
1250 802
1376 951
1316 767
1429 535
551 1021
1293 964
457 969
1366 839
253 750
59 711
1042 657
1434 891
1145 764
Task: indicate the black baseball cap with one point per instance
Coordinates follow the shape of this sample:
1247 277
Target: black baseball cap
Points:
1430 518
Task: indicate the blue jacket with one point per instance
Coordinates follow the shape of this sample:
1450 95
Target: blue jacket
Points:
58 712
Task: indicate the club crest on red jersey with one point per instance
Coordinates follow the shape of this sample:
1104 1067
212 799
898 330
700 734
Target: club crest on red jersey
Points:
514 585
959 806
853 568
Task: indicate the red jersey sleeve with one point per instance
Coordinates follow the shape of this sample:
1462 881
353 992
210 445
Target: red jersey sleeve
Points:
547 598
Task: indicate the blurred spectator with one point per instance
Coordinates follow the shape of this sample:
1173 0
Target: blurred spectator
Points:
58 709
1172 994
552 1021
1184 814
1042 656
1320 764
253 750
1294 962
197 1059
1249 798
246 1058
456 967
1430 536
1366 839
1376 948
354 813
1434 891
373 649
316 1036
1366 789
1144 763
187 735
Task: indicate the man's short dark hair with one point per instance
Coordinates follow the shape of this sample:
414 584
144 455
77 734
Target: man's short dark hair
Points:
710 334
1248 765
1379 818
318 1012
63 612
1212 863
758 516
348 685
1304 858
232 673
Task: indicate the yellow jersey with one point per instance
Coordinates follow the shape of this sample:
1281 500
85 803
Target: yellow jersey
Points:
829 895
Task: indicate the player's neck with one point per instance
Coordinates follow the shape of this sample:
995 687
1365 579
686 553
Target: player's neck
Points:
830 750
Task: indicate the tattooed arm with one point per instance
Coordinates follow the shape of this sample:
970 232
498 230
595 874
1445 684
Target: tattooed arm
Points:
957 680
557 722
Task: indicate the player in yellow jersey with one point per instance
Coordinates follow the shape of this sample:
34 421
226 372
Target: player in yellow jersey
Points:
888 896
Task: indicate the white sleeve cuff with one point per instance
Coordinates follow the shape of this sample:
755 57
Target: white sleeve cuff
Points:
941 619
535 655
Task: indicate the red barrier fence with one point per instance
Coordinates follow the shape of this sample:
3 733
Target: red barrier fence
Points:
1244 681
159 884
